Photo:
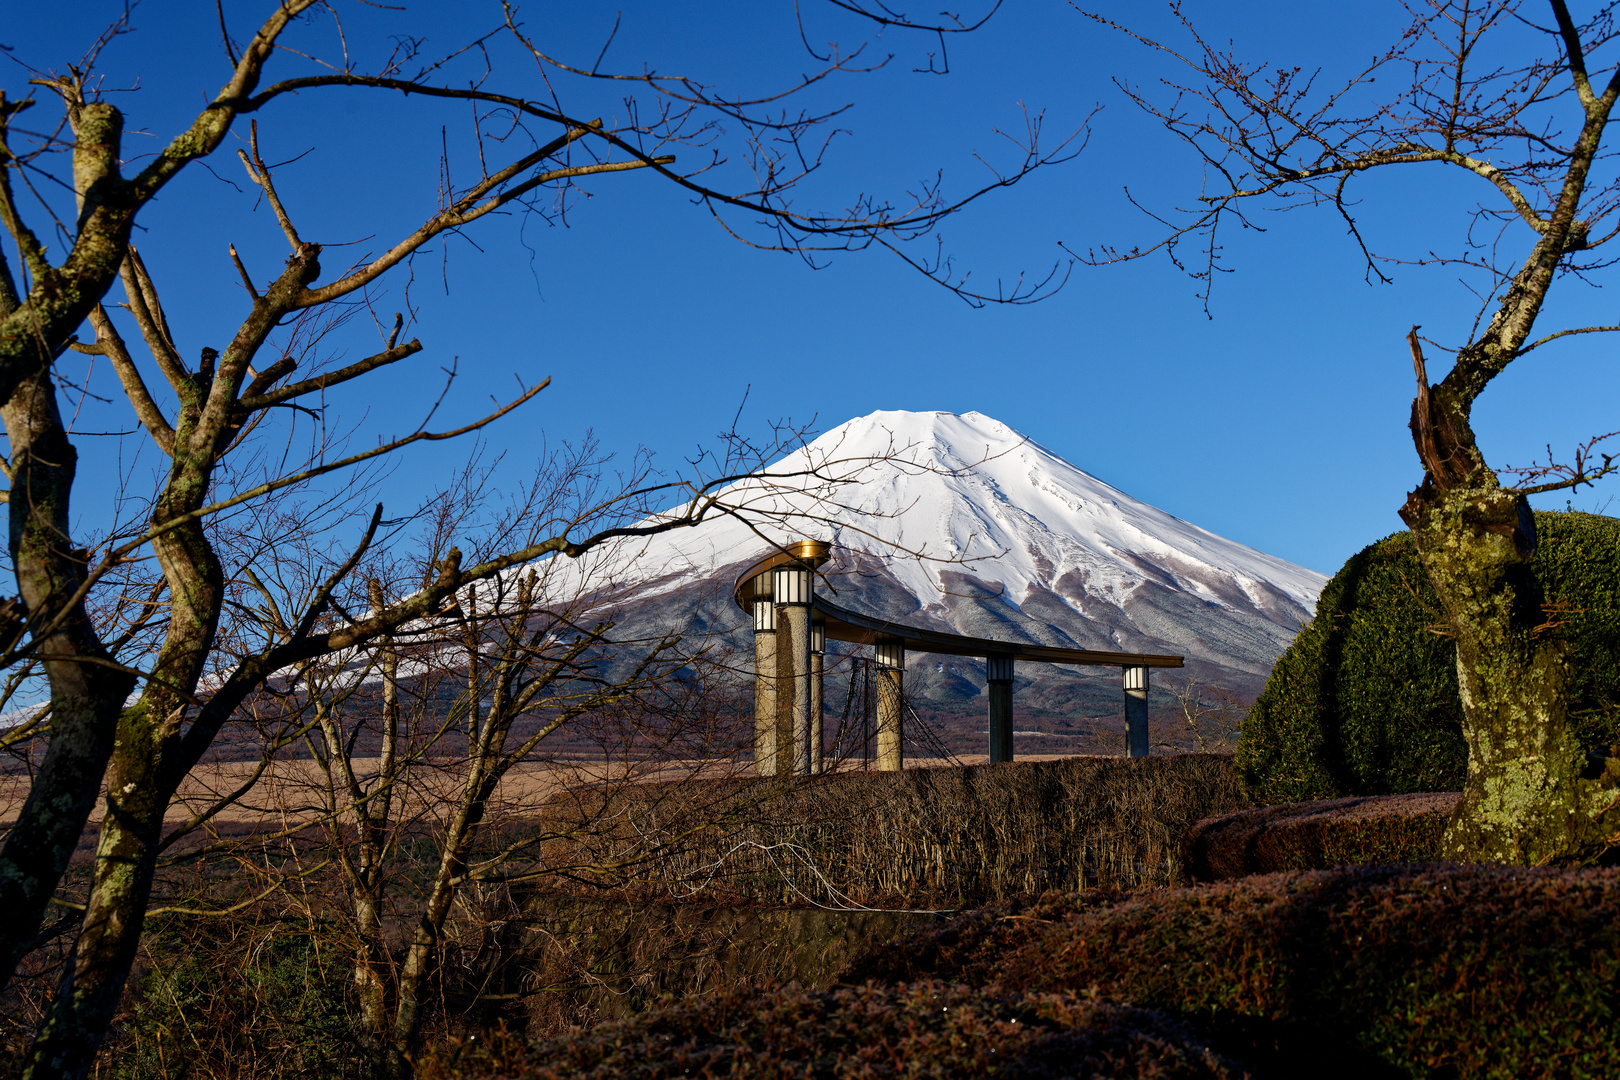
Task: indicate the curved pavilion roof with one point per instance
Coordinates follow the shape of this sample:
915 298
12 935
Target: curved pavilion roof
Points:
851 626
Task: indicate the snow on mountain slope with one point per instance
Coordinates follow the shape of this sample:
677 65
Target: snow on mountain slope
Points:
959 521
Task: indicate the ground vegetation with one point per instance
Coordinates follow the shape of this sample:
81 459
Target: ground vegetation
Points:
1485 971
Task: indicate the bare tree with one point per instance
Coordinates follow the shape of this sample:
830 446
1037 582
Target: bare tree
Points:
522 658
1207 715
162 636
430 766
1515 95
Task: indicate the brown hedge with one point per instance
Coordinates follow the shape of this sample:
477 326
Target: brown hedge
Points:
602 959
1384 829
927 1029
1420 972
941 838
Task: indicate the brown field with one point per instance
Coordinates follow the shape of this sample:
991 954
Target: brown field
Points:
291 793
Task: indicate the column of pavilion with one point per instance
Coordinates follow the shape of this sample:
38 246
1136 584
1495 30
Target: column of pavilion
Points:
789 645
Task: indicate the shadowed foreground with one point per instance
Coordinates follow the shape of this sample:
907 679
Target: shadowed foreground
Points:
1358 971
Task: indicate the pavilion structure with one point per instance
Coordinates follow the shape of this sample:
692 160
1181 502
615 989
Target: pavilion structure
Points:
792 626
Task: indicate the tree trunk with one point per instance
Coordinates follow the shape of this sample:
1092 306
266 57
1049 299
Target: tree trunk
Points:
371 962
142 775
116 912
86 693
373 972
1531 796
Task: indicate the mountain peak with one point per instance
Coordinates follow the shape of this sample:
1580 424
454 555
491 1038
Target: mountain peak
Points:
967 488
967 523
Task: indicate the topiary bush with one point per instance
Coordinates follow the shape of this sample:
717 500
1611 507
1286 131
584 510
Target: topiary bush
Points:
1365 700
1439 971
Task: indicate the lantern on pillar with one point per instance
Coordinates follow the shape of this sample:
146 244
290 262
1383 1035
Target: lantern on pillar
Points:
764 616
890 654
791 585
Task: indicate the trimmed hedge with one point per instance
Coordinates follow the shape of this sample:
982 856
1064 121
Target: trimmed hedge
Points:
1375 829
1482 971
601 959
927 1029
935 838
1365 700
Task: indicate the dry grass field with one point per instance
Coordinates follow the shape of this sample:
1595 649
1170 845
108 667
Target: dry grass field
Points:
293 792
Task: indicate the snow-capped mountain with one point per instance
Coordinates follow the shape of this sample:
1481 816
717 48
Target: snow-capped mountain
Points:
959 522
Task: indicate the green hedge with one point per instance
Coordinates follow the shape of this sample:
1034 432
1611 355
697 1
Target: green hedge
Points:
1365 701
1482 971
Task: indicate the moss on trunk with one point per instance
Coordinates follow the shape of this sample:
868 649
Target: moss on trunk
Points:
1530 796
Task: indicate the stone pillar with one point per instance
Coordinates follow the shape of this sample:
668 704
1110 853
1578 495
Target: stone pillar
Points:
890 657
1136 712
764 686
818 668
999 671
792 592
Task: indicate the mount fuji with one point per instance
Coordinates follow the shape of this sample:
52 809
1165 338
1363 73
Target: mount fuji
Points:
958 522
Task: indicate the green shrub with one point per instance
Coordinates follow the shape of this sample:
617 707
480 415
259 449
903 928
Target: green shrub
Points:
1365 700
233 998
924 1030
1366 829
1483 971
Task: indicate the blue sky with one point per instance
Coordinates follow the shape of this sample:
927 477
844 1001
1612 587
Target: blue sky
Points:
1279 422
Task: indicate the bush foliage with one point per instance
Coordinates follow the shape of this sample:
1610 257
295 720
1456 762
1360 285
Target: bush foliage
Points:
926 1029
237 998
1365 701
1422 972
1316 835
